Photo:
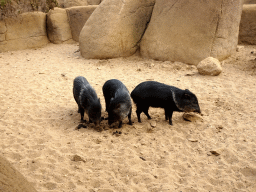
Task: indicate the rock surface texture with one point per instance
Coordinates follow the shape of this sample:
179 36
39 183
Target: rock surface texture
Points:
28 30
115 28
247 30
58 26
77 18
249 1
72 3
94 2
209 66
189 31
12 180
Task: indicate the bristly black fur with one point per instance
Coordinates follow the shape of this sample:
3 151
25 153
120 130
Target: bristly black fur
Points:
118 101
87 100
154 94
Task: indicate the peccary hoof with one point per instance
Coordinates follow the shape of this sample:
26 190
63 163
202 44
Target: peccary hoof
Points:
81 126
83 121
102 118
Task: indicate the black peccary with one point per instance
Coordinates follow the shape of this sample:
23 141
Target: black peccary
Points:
87 100
118 101
154 94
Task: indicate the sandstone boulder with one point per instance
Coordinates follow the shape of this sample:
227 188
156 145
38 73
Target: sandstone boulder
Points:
58 26
189 31
93 2
61 3
2 31
28 30
209 66
11 180
115 28
77 18
249 1
247 30
72 3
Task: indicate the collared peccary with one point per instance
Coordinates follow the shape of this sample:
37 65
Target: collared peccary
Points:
154 94
118 101
87 100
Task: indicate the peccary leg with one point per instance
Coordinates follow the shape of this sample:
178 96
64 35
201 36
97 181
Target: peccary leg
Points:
138 112
81 110
120 124
145 110
107 101
170 117
166 115
129 117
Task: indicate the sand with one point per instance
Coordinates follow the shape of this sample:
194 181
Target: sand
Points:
38 121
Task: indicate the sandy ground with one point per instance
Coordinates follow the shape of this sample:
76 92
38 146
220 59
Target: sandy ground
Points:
38 120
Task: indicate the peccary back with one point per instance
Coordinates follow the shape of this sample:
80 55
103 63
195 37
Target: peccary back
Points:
87 100
154 94
118 101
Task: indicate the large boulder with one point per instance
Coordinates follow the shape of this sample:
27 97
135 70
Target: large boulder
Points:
77 18
3 30
12 180
58 26
247 30
72 3
28 30
94 2
189 31
249 1
115 28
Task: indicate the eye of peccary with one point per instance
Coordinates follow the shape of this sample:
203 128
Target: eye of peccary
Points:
186 96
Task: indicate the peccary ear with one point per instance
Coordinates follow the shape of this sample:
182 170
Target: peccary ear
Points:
187 94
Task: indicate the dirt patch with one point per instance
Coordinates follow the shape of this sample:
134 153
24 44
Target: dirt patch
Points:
39 119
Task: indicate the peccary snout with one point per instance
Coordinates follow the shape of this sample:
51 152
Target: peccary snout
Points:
186 101
154 94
